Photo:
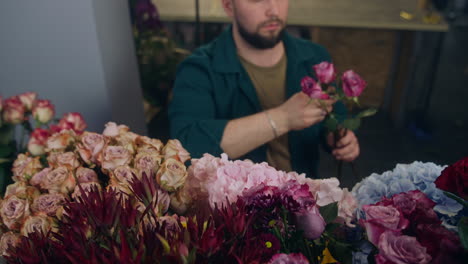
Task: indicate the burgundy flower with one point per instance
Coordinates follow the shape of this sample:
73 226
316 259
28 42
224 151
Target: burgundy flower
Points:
325 72
454 179
353 84
312 88
146 16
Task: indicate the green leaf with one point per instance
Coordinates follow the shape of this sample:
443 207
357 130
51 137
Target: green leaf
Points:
329 212
331 123
463 231
367 112
352 123
341 252
456 198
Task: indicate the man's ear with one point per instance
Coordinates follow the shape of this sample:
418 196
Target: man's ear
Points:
228 7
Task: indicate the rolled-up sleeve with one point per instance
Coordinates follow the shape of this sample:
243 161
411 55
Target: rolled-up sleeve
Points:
192 111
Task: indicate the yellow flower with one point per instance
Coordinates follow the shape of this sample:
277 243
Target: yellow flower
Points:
327 257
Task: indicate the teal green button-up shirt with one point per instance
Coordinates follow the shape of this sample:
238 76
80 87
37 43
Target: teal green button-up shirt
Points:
212 88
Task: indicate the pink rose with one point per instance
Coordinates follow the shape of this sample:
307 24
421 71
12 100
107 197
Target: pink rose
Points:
86 175
37 223
60 141
353 84
13 112
43 111
400 249
60 180
312 88
147 163
90 146
73 121
293 258
380 219
38 141
114 156
28 99
9 239
86 187
311 222
38 177
325 72
25 167
13 211
174 149
172 175
68 160
113 130
48 203
123 175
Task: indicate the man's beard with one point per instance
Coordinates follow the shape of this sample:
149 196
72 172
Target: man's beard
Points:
260 42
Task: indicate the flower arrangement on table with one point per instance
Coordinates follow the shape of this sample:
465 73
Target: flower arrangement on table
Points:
409 220
35 119
345 90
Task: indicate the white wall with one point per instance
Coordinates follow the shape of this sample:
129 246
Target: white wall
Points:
79 54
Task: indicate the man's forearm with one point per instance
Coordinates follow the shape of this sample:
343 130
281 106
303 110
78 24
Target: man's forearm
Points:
245 134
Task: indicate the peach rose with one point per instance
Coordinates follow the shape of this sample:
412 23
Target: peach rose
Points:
48 203
181 201
40 223
73 121
113 130
43 111
37 141
90 146
9 239
25 167
84 175
171 175
13 211
60 180
174 149
68 160
147 163
28 99
38 177
123 175
22 190
60 141
13 110
145 144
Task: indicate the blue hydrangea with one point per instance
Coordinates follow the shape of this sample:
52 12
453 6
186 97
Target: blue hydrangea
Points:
404 178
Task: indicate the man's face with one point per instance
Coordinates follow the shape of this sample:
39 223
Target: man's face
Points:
260 23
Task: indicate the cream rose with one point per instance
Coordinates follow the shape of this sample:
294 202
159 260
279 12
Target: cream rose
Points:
43 111
90 146
22 190
113 130
123 175
40 223
181 201
68 160
149 144
174 149
9 239
147 163
114 156
37 141
13 211
60 141
171 175
25 167
59 180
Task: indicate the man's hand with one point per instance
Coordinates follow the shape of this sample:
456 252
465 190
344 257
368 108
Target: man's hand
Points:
347 148
301 112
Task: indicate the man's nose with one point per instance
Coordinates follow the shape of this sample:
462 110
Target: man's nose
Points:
272 7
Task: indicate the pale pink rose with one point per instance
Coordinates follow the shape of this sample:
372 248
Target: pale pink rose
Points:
293 258
25 167
347 208
86 187
90 146
84 175
325 72
38 141
180 201
172 175
43 111
174 149
28 99
37 223
38 177
313 88
9 239
60 180
123 175
311 222
353 84
22 190
68 160
400 249
73 121
114 156
380 219
13 110
326 191
114 130
13 211
60 141
48 203
145 144
147 163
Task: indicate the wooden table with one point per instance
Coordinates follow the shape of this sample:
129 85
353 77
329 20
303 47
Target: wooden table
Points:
380 14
